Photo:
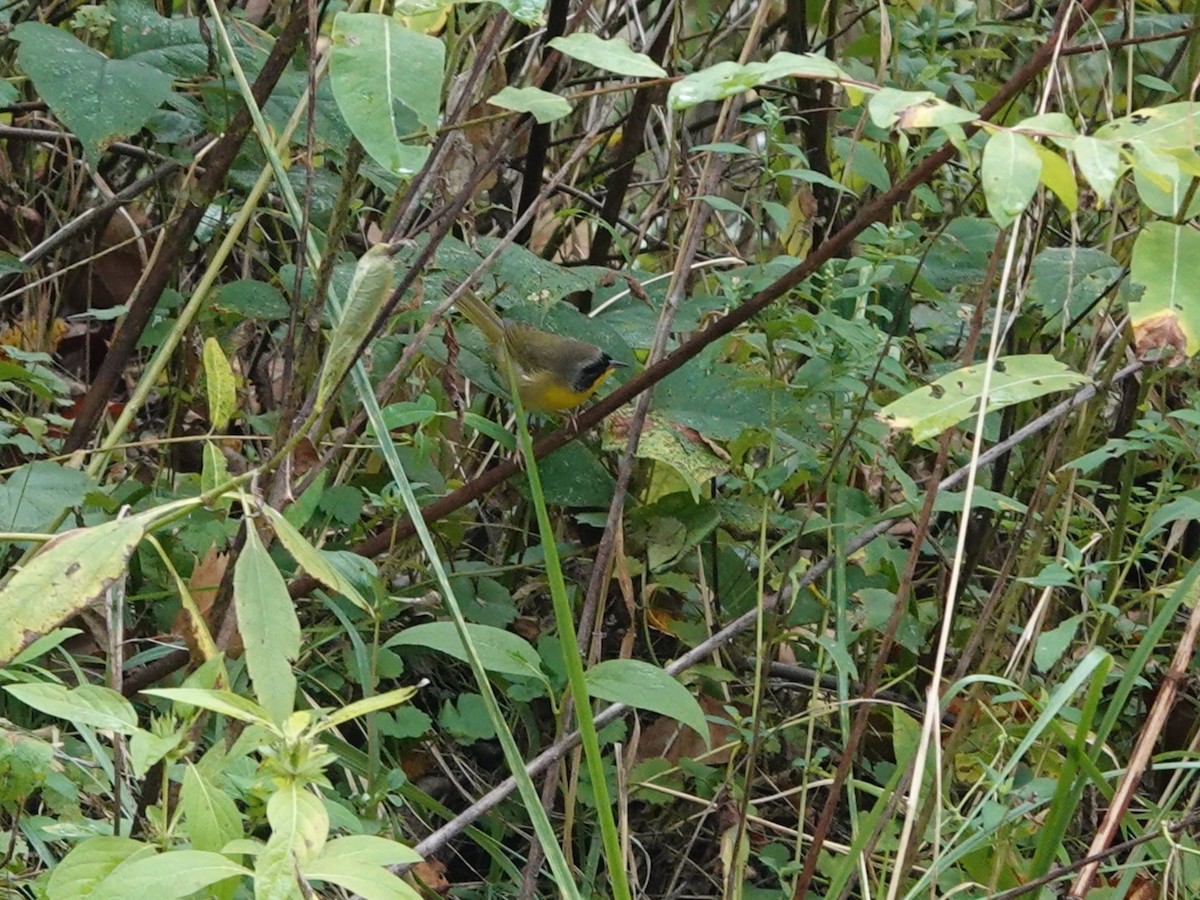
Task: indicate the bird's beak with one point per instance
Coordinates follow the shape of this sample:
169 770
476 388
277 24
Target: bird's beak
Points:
613 364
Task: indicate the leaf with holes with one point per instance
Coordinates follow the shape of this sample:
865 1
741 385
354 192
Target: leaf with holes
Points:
930 410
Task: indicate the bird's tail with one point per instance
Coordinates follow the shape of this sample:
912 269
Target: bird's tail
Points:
482 317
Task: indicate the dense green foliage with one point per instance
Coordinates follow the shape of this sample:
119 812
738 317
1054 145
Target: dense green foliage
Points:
871 573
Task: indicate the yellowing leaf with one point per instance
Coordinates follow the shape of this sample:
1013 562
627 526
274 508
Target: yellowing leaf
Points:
930 410
220 384
70 573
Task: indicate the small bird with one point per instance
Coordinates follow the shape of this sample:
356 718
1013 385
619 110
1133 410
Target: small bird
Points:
554 373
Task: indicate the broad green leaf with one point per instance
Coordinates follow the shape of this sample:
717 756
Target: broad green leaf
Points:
178 46
251 299
146 748
542 105
311 559
298 816
930 410
1100 163
275 871
214 469
362 879
612 55
168 876
79 872
368 292
226 703
1052 644
387 81
686 397
958 256
220 385
906 740
363 707
210 815
499 650
88 704
1155 84
713 83
36 494
839 654
1009 173
1070 279
573 477
1168 313
640 684
268 625
368 849
98 99
1183 508
864 161
69 574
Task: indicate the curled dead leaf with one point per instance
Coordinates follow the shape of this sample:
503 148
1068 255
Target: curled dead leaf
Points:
1161 331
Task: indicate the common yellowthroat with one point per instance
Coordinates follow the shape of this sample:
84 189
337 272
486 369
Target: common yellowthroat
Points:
554 373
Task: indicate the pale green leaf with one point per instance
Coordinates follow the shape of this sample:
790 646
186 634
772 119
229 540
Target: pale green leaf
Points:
726 79
268 625
369 289
1172 126
612 55
886 105
275 871
311 559
930 410
146 748
210 814
368 849
528 12
1009 173
88 704
220 384
168 876
214 469
542 105
367 881
79 872
363 707
36 494
226 703
69 574
299 817
1100 163
1053 644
